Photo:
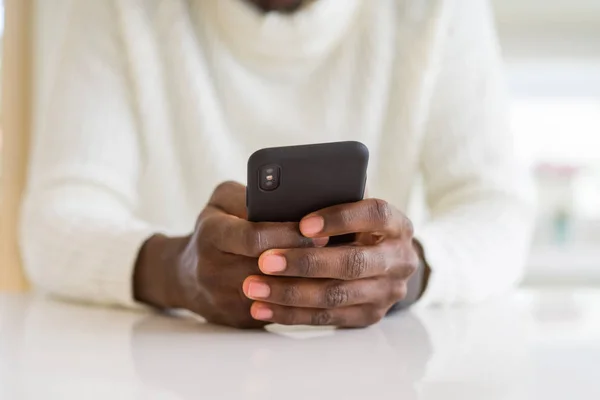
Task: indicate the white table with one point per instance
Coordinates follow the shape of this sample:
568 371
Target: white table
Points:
537 344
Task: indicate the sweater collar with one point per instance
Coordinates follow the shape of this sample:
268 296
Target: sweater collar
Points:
307 34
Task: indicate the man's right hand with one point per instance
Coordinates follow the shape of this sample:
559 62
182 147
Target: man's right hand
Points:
204 272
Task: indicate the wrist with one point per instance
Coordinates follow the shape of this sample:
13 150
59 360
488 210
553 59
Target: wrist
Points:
157 270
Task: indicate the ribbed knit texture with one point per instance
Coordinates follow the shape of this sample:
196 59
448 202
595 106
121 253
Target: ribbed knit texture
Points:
157 101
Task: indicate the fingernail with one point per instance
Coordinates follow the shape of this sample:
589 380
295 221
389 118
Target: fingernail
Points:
312 225
320 242
258 290
273 263
262 313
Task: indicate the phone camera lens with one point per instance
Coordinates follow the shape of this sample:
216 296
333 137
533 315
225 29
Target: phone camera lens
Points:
270 177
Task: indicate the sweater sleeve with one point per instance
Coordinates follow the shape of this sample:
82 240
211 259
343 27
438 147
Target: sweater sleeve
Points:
480 198
79 232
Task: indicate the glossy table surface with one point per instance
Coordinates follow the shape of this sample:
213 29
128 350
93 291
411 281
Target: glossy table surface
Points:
534 344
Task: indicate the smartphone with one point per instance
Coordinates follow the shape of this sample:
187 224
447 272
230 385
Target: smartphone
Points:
287 183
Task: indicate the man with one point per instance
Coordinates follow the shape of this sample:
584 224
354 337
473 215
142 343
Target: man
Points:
156 103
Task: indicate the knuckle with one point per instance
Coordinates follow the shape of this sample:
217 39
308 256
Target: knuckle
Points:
288 236
254 240
381 211
291 295
355 265
412 267
375 315
223 187
336 296
307 264
321 317
222 191
379 314
398 292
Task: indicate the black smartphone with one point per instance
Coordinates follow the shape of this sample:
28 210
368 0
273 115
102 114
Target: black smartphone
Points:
287 183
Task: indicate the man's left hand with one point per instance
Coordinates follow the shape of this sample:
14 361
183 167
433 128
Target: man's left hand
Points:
353 285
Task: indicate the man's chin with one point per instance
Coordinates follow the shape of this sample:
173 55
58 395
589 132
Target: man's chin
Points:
278 5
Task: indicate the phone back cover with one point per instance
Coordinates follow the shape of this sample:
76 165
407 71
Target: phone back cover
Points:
312 177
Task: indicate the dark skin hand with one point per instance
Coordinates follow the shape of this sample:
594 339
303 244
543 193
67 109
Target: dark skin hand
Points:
244 274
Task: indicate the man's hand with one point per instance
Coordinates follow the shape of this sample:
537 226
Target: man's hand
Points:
204 272
346 286
215 272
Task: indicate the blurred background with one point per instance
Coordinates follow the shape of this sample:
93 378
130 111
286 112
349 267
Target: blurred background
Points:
552 55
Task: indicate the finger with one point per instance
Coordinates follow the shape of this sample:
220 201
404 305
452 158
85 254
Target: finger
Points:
348 317
313 293
234 235
344 262
371 215
230 197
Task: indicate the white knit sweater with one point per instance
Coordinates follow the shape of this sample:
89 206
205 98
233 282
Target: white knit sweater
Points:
157 101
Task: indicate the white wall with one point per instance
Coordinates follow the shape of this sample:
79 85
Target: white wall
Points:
555 29
576 14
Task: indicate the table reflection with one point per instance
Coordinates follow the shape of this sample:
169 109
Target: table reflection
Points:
291 363
527 346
